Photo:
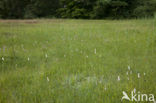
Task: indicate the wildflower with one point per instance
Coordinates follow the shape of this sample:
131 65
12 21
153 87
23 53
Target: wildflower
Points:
46 55
129 68
47 79
128 78
127 73
2 58
138 75
28 59
95 51
144 74
100 81
118 78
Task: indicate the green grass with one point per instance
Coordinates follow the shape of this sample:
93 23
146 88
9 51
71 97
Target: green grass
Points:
76 61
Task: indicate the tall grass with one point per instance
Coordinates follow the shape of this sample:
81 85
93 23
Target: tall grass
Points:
155 19
76 61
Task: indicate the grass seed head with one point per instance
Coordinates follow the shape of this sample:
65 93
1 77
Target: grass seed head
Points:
138 75
2 58
129 68
118 78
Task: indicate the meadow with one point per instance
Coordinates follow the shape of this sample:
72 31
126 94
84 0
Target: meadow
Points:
76 61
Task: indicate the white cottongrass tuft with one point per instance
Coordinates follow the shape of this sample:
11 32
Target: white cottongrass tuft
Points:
138 75
95 50
47 79
2 58
64 55
128 78
118 78
127 73
28 59
46 55
129 68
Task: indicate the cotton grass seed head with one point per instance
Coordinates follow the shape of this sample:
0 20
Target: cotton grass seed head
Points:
127 73
128 78
105 88
138 75
28 59
95 50
2 58
118 78
129 68
48 79
46 55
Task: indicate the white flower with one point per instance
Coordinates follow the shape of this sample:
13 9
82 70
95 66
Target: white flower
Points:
144 74
95 51
3 58
105 88
129 68
127 73
118 78
46 55
128 78
28 58
138 75
47 79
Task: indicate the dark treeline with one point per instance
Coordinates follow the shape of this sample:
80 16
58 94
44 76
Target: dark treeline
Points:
83 9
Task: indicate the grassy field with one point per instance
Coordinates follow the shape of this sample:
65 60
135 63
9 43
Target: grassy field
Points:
76 61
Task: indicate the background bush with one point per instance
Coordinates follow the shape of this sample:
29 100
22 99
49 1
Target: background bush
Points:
79 9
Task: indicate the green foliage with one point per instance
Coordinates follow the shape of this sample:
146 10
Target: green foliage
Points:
75 9
76 61
146 8
85 9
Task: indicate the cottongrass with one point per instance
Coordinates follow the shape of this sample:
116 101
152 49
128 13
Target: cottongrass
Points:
138 75
118 78
48 79
2 58
127 73
64 56
28 59
95 50
129 68
46 55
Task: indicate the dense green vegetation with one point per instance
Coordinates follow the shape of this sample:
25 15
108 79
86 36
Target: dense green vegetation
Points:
76 61
83 9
